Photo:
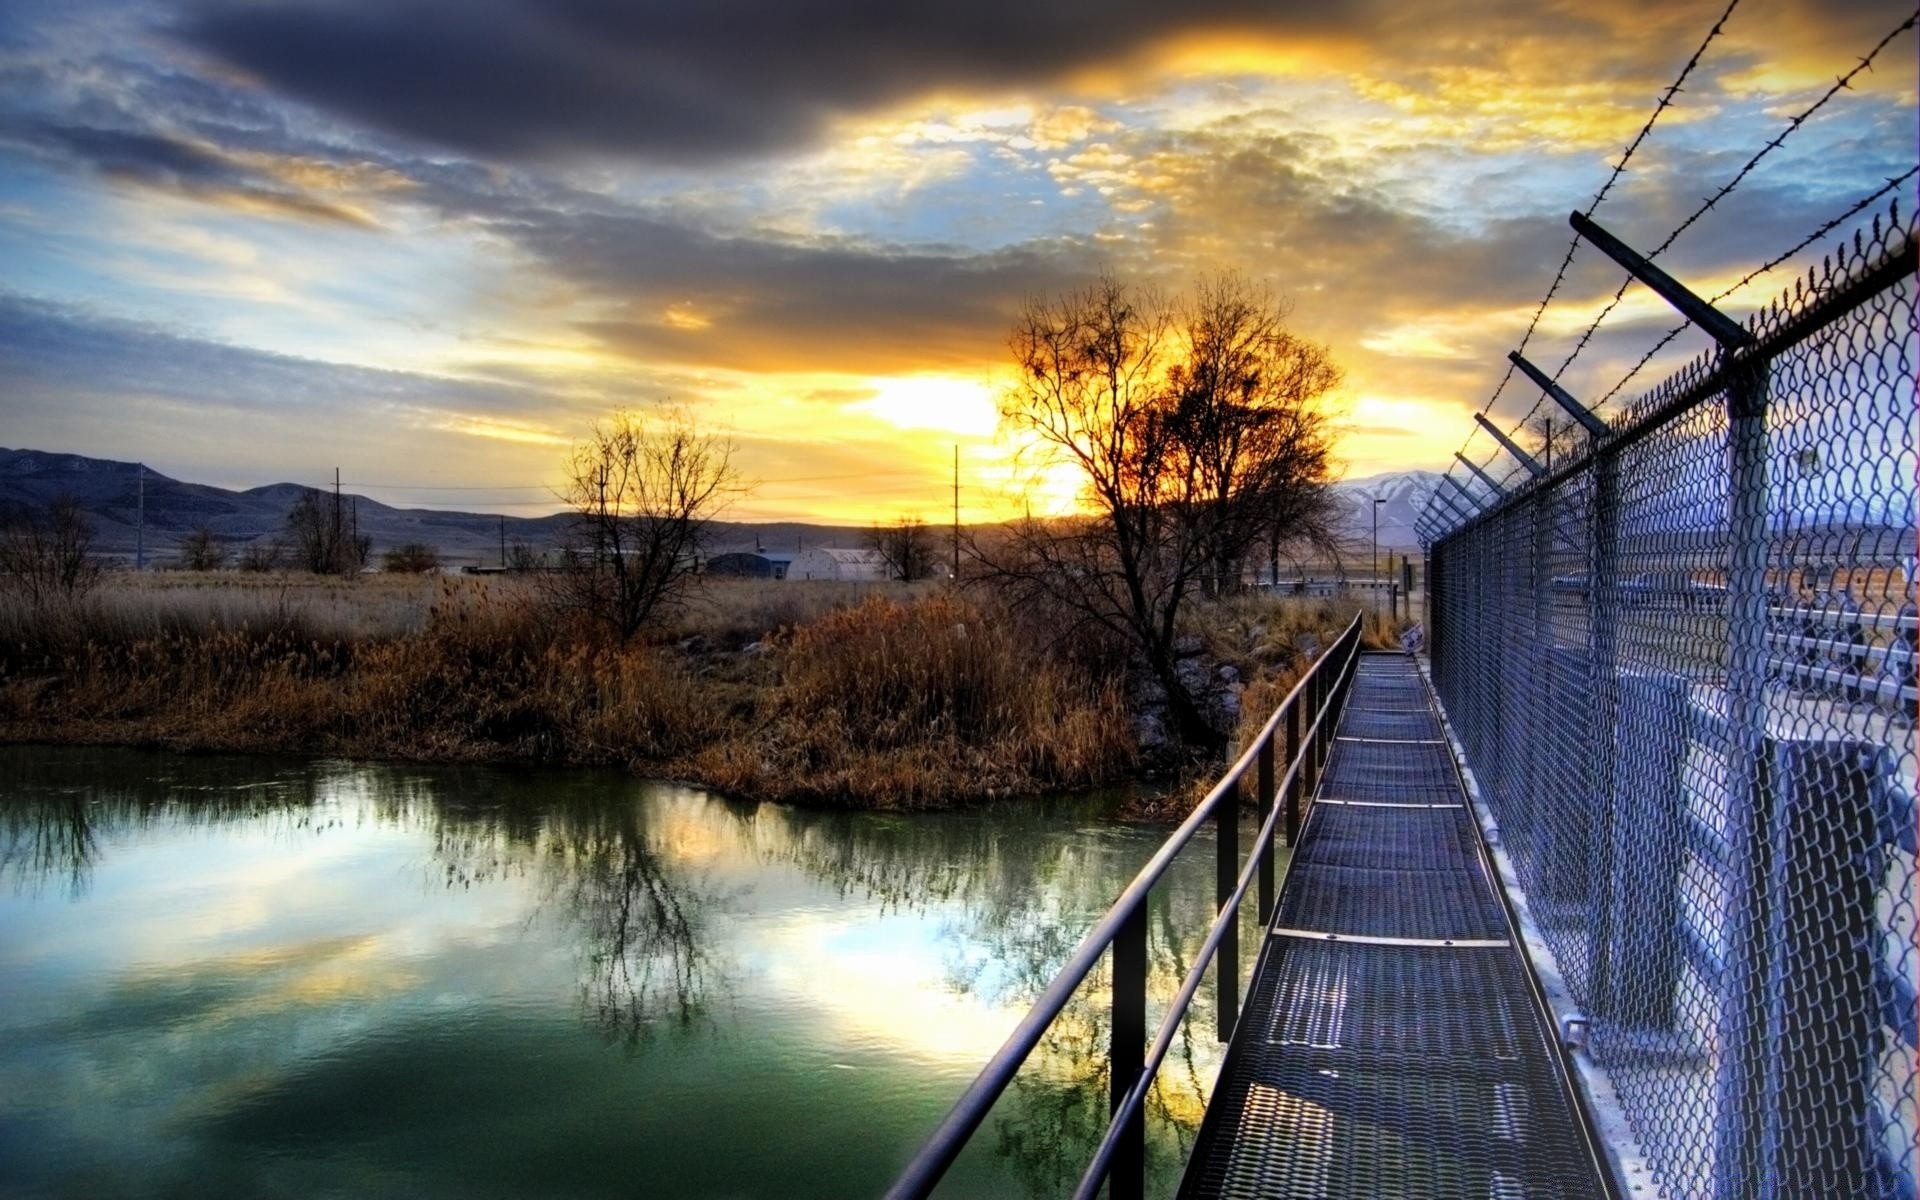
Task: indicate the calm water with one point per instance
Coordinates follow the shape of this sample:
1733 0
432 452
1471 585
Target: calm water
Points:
243 976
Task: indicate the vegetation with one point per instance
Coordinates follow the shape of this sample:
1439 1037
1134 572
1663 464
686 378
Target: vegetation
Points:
201 550
323 538
906 546
1195 427
872 695
411 558
46 558
642 493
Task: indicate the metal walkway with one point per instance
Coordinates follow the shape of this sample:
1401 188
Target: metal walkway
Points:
1393 1044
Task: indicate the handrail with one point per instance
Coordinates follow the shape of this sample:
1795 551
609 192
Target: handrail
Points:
1125 917
1096 1172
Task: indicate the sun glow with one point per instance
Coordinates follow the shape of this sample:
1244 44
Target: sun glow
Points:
939 403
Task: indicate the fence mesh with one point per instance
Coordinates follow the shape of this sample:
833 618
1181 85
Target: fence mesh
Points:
1683 671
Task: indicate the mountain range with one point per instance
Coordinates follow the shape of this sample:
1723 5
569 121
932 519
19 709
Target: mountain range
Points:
115 495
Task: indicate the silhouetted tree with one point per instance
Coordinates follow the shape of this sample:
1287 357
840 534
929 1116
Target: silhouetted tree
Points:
1193 428
47 555
200 550
906 546
1250 441
262 556
643 494
412 558
323 542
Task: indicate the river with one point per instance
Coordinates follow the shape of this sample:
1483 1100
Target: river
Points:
243 976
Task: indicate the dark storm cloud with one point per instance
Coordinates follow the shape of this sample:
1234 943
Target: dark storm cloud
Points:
679 81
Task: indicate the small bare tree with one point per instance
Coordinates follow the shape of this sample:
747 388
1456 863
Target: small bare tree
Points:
260 557
47 556
906 546
200 550
411 558
322 540
643 494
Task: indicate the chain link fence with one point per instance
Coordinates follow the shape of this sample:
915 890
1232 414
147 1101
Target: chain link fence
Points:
1682 667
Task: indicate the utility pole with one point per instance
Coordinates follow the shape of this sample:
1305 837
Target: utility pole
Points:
956 512
1374 569
334 542
140 528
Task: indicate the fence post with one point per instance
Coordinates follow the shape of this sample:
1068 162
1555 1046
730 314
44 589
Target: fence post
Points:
1822 1007
1127 1053
1264 776
1740 1083
1637 970
1226 873
1293 785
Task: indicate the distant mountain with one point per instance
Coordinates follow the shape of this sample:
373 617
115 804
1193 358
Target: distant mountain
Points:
1406 494
110 493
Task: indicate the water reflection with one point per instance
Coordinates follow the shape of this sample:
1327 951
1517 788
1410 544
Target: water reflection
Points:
262 961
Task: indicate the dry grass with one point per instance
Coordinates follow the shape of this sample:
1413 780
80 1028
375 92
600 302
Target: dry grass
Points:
878 695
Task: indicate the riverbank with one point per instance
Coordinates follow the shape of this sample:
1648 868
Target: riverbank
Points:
876 696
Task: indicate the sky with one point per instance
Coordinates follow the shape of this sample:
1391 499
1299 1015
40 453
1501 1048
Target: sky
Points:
429 242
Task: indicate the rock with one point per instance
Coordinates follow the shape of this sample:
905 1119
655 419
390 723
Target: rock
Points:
752 649
1229 674
697 644
1188 646
1150 732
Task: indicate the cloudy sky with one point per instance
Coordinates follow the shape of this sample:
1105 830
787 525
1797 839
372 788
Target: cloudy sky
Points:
429 241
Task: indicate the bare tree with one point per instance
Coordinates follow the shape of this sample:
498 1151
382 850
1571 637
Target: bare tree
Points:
1552 438
200 550
1194 428
322 540
47 556
260 557
1090 398
1249 430
411 558
643 494
906 546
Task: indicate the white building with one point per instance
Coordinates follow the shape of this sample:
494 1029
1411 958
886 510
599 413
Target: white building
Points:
827 562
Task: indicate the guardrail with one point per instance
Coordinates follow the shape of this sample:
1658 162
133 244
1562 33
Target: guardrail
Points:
1121 1156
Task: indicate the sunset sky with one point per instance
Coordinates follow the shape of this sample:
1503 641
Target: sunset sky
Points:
429 241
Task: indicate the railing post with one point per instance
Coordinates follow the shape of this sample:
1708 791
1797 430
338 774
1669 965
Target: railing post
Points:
1226 873
1264 775
1292 799
1127 1053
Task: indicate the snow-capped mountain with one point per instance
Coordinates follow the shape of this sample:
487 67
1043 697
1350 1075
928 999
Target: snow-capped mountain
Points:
1405 494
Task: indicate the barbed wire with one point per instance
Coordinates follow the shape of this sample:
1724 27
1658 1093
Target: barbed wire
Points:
1841 83
1861 206
1664 102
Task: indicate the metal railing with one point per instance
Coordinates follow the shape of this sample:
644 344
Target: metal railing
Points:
1121 1157
1682 667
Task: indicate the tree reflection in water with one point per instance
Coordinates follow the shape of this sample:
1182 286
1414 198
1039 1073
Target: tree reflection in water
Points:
580 837
616 864
1026 889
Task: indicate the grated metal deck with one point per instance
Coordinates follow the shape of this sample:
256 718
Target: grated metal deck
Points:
1413 1064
